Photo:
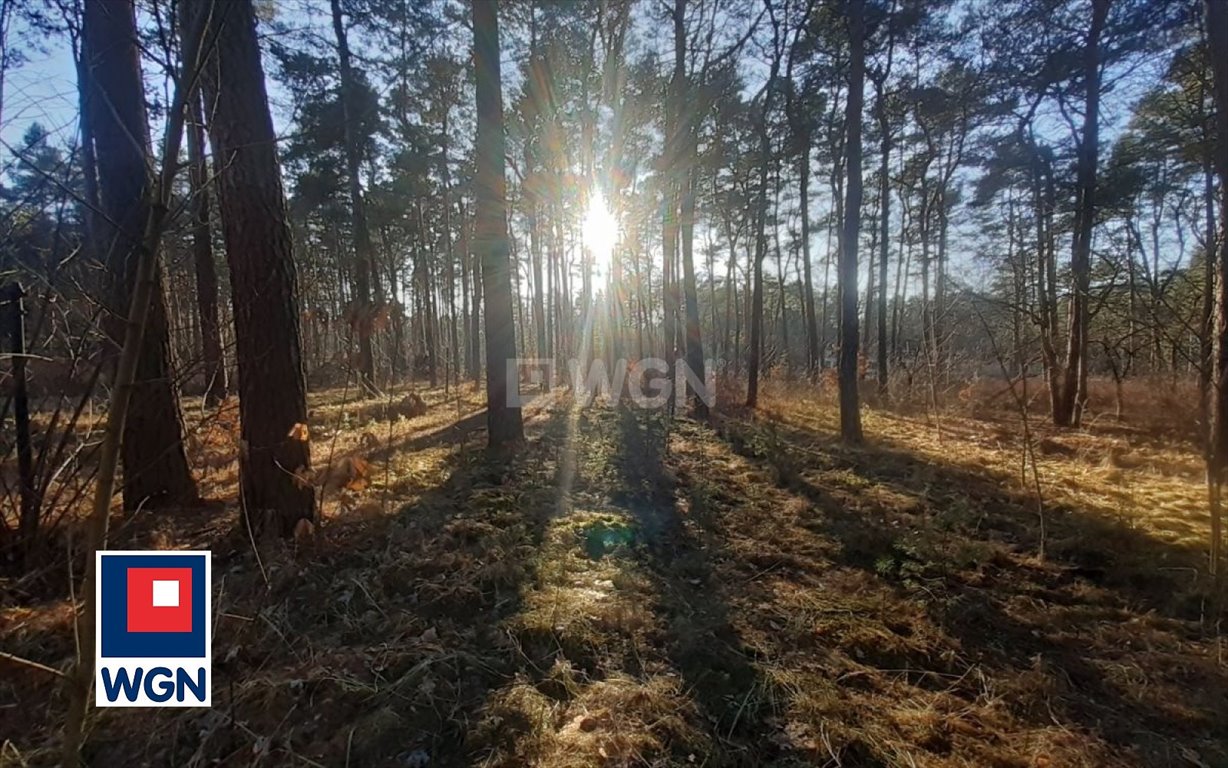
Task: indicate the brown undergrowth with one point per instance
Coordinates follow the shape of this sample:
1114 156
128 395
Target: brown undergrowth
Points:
631 589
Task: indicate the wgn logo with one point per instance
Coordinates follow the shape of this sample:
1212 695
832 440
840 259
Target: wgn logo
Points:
153 629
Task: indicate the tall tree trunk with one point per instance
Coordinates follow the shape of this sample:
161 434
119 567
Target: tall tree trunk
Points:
80 677
903 263
395 289
1217 39
212 362
940 289
813 357
1046 275
782 310
503 419
884 191
514 268
823 313
449 249
694 337
552 329
1074 383
471 287
428 301
535 263
884 232
363 270
475 338
755 352
672 163
683 159
731 295
755 299
850 411
260 253
688 139
155 466
466 318
1206 338
91 204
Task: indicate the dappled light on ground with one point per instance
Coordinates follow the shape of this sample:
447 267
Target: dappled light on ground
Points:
630 588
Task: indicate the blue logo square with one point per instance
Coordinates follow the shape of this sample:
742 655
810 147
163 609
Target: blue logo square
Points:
115 639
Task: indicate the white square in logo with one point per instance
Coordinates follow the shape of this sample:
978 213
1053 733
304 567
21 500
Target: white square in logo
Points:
152 628
166 594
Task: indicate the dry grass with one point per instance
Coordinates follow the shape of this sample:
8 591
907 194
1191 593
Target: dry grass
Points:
634 590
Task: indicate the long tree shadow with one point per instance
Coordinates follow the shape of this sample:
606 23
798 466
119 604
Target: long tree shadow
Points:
383 633
1144 572
679 546
1104 636
466 428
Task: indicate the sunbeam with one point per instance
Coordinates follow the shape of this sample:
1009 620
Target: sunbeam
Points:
600 230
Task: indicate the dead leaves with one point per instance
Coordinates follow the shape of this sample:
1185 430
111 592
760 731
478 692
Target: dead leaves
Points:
220 429
359 472
411 406
216 442
349 473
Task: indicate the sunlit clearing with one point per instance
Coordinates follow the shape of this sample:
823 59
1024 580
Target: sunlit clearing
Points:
600 232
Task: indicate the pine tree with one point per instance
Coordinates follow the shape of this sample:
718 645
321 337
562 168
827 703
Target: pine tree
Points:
272 391
490 237
155 466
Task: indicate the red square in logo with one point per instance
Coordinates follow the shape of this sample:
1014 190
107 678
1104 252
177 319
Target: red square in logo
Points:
159 599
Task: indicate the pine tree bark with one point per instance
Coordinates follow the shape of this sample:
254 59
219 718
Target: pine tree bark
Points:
685 162
449 247
1206 336
535 257
755 353
1068 411
694 336
812 327
850 411
155 466
503 420
1217 38
467 317
363 311
426 292
80 676
671 175
91 204
213 363
475 337
260 254
884 232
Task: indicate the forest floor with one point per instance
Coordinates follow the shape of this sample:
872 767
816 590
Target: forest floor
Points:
635 589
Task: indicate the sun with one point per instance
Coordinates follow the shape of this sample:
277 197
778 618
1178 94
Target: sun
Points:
600 230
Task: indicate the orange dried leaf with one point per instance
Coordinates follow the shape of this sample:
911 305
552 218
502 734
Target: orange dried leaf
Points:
359 470
300 432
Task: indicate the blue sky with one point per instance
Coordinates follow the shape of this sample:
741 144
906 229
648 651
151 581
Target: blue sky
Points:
43 90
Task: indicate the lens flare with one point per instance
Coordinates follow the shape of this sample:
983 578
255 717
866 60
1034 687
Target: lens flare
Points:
600 229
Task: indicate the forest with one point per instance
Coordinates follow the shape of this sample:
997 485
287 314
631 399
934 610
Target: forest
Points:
620 382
